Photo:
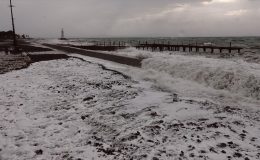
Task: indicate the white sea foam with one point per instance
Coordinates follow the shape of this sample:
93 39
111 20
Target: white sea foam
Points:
235 76
65 42
137 53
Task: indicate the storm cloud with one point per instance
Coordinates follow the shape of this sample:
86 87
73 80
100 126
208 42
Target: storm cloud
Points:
135 18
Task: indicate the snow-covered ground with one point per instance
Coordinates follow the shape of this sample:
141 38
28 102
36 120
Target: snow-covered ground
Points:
78 109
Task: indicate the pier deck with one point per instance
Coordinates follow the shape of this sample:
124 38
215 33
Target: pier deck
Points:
187 47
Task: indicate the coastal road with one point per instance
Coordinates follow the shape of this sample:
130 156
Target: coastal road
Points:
114 58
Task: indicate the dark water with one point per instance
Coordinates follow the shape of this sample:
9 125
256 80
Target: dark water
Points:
245 42
249 53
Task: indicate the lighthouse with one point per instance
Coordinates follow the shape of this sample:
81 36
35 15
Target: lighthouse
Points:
62 35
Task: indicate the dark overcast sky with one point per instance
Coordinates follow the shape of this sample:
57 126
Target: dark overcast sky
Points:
118 18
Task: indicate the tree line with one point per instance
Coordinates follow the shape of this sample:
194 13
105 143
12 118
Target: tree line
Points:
9 35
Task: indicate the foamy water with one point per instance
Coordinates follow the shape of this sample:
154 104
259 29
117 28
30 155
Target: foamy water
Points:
235 76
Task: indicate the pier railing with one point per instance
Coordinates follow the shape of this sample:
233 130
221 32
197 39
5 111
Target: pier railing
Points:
194 47
187 47
103 46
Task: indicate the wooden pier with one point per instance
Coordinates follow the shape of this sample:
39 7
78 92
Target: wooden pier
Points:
103 46
100 48
113 46
187 47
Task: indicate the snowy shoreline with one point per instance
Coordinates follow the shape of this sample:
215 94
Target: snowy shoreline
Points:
69 109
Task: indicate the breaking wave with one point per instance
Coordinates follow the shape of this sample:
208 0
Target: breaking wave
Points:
235 76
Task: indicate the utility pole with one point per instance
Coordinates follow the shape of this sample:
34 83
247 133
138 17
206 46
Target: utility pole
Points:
14 35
